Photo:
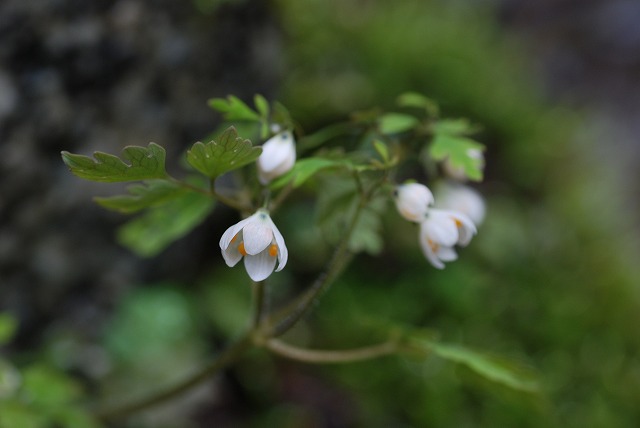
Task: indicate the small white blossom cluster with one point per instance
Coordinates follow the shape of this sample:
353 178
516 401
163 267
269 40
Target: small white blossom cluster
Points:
441 229
256 238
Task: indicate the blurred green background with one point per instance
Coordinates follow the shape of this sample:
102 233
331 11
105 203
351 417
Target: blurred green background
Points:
551 280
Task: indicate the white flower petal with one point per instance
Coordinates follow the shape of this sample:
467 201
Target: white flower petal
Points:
259 266
466 228
258 233
228 235
440 228
283 253
231 255
446 254
461 198
430 254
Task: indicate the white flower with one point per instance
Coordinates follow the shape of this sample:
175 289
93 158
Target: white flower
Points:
259 241
413 200
440 231
463 199
277 158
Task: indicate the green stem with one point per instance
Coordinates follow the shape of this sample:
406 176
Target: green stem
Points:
233 203
327 357
291 314
259 303
226 358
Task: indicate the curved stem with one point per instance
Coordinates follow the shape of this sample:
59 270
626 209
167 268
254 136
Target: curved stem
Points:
227 357
324 357
233 203
291 314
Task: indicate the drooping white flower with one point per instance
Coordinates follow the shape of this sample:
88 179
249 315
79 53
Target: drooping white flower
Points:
413 201
277 158
440 231
461 198
259 241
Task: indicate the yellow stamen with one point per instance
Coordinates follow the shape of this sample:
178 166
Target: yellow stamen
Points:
433 245
235 238
273 250
241 249
458 222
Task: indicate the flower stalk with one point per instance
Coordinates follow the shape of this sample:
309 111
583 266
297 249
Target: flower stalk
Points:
314 356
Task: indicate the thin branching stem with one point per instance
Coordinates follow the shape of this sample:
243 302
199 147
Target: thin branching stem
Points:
226 358
286 318
316 356
230 202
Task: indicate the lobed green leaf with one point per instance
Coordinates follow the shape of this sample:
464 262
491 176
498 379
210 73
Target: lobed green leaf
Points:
382 149
144 163
228 153
262 105
150 193
460 152
303 170
413 99
233 108
395 123
336 205
454 127
161 225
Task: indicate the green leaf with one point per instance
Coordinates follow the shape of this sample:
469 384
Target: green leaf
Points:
262 105
366 236
8 327
228 153
493 368
144 163
303 170
282 116
461 152
47 387
159 226
152 192
336 206
454 127
15 414
150 322
382 150
233 108
413 99
394 123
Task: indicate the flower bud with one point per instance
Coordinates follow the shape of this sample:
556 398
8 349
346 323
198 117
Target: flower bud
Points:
413 200
277 158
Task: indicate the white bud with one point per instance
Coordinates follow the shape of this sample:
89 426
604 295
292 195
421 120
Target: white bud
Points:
277 158
413 200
